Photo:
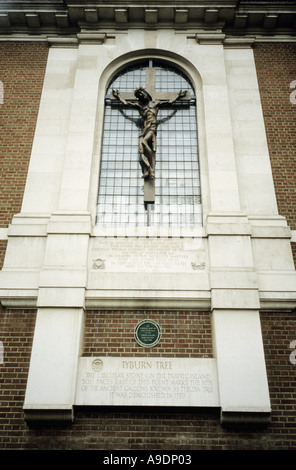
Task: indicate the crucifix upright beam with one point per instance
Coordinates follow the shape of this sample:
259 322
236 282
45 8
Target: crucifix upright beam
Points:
148 102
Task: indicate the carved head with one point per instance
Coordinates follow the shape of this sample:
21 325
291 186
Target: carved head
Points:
142 94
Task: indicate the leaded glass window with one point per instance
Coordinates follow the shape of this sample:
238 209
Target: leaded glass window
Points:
177 183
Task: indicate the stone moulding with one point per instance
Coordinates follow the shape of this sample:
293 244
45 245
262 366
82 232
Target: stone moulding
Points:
69 17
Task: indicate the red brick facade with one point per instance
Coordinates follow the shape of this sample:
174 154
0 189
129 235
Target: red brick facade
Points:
145 429
276 69
184 334
22 67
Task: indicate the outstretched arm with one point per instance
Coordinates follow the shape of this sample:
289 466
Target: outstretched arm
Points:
181 94
117 95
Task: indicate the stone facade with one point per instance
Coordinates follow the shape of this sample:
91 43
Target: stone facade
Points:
236 310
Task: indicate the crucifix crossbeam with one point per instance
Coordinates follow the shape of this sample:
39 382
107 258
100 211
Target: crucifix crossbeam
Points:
148 102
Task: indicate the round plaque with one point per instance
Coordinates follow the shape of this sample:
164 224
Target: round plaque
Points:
97 365
147 333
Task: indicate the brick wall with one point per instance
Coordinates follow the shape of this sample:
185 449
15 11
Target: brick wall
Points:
149 429
276 69
184 334
279 330
16 336
22 68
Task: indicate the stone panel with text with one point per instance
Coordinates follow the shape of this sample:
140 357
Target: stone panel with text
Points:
147 381
148 255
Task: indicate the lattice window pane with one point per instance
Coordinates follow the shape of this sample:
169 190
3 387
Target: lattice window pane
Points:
177 184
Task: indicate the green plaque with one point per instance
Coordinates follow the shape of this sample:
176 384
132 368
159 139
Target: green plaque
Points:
147 333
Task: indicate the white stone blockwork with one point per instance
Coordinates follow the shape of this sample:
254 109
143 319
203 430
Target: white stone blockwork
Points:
126 381
238 262
240 362
52 377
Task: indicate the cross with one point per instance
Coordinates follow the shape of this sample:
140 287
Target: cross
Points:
148 101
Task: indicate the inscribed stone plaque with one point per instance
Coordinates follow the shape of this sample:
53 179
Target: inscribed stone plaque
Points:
147 255
145 381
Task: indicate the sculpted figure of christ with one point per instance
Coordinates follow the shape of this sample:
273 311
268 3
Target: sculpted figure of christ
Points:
148 109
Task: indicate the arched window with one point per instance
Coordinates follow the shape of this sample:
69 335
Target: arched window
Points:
177 181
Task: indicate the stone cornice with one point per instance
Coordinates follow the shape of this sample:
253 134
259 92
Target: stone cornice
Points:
66 18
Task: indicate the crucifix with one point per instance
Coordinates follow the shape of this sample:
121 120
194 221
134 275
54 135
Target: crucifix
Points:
148 102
